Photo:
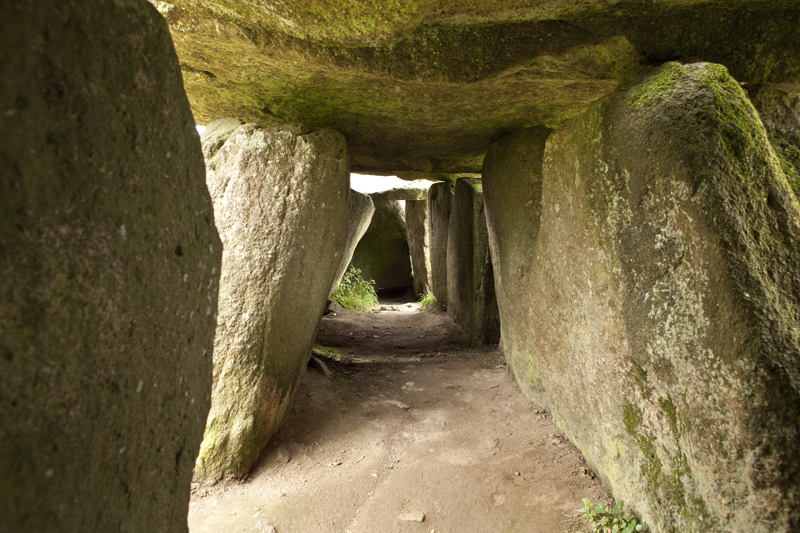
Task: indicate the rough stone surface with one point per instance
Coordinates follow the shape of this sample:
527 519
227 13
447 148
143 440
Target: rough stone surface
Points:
780 114
664 328
382 253
280 201
109 269
471 301
512 191
360 210
419 245
440 203
418 85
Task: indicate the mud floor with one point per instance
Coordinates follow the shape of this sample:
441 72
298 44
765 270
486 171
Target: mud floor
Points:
411 432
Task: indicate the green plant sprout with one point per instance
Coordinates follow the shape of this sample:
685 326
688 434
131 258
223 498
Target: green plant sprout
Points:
354 292
427 301
614 520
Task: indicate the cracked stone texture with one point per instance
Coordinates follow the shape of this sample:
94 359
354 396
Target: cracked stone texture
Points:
427 86
280 201
109 270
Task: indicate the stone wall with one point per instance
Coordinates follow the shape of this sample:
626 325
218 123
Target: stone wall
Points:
663 331
109 269
512 189
280 200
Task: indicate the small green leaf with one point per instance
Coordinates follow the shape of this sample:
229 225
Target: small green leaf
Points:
639 527
618 507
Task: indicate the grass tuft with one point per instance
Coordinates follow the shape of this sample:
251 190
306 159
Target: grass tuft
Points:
356 293
427 301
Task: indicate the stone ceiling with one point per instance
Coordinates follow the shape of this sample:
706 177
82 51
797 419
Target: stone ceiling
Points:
422 87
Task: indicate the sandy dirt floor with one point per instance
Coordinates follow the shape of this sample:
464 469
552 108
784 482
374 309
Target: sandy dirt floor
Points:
411 432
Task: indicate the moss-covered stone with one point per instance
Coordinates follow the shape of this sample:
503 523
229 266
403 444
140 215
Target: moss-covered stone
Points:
109 271
666 279
421 87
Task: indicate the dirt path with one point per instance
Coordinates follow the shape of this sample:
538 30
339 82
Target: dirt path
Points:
410 426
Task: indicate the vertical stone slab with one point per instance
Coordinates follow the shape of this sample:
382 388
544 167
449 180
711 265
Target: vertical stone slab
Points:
666 321
109 268
440 201
280 200
359 214
471 301
512 192
418 244
382 253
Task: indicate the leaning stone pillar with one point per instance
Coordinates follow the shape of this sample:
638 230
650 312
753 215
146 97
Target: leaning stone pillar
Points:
359 214
280 200
471 301
109 269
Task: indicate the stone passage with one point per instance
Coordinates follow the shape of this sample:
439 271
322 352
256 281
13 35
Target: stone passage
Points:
471 301
280 200
109 268
666 268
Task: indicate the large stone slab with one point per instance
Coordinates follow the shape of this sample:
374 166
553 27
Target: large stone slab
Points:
471 300
280 200
427 85
664 327
418 244
109 269
382 253
440 203
359 214
512 191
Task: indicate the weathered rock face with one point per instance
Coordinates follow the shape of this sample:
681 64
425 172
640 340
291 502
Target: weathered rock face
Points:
428 85
418 244
109 268
382 253
780 114
440 203
280 200
664 327
512 189
359 214
471 301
